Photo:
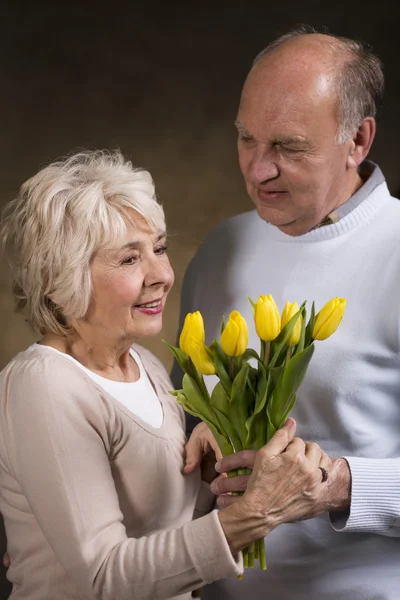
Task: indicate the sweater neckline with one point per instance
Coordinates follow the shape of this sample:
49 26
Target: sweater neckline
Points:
159 432
358 217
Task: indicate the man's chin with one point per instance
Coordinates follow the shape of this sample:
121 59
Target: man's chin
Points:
290 227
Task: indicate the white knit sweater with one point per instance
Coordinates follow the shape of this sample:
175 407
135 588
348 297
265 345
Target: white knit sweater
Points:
350 400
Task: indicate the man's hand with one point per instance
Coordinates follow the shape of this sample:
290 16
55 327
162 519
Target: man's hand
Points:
202 450
332 495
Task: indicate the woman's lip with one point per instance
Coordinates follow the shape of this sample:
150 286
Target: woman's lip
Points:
150 310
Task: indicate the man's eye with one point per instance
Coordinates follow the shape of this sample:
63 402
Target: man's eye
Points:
246 138
292 150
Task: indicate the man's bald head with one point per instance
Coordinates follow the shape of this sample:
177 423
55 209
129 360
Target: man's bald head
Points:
349 67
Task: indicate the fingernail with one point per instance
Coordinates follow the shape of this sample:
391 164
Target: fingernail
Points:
290 423
214 487
218 466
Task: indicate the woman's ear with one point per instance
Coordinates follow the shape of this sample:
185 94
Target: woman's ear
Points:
361 142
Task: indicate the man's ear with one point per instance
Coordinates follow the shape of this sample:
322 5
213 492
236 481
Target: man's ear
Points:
361 142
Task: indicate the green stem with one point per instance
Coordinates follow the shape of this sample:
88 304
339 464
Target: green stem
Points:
245 553
250 556
261 554
267 353
262 352
232 368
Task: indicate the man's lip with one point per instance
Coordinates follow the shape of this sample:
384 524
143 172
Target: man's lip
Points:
270 194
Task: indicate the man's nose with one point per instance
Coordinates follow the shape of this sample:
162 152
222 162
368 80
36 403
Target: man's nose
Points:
263 165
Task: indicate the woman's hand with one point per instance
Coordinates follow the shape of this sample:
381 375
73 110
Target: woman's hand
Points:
202 451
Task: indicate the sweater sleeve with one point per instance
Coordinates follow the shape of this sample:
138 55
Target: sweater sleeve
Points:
59 453
375 497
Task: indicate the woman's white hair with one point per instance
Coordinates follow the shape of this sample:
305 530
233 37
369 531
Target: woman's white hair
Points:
61 217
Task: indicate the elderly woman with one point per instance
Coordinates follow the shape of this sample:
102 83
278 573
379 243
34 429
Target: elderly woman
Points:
93 493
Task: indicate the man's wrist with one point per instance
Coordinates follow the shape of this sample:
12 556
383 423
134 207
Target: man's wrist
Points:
242 526
339 486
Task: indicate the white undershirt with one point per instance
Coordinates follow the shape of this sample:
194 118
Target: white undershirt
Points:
138 396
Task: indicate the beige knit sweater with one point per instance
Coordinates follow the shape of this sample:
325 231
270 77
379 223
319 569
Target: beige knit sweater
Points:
94 500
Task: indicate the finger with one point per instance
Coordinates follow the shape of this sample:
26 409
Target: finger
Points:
194 454
239 460
6 560
226 500
223 485
313 453
281 439
213 445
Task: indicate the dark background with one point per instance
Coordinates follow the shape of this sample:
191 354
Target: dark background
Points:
161 81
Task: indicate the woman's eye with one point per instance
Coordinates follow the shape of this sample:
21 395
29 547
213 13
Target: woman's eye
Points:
130 260
161 249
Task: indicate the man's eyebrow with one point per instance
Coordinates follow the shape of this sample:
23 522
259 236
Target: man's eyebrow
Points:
291 139
241 129
135 245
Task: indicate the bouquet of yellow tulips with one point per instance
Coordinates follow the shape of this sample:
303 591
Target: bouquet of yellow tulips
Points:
249 403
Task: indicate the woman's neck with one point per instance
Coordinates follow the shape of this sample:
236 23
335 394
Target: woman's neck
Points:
112 361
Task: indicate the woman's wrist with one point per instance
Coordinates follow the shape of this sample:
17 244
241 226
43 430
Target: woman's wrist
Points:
243 525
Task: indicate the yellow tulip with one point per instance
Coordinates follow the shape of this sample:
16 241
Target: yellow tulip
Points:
328 318
191 342
201 358
193 329
267 318
288 312
235 336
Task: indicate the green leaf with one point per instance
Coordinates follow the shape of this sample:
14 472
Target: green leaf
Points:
252 381
300 345
221 362
222 324
253 304
222 440
273 378
239 400
249 354
286 414
198 402
229 430
261 394
188 367
270 430
220 399
281 341
256 427
182 358
310 327
288 384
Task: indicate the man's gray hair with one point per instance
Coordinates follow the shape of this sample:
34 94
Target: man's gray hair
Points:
359 81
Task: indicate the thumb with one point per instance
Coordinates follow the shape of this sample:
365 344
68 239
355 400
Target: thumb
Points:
194 454
281 438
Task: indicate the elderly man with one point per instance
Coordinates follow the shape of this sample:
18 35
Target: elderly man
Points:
325 225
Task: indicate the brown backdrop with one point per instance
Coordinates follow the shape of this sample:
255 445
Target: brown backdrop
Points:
161 81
